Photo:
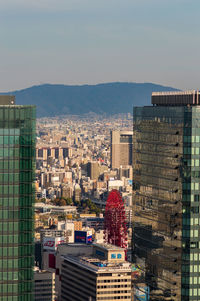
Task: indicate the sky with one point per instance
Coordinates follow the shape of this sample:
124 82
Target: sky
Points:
95 41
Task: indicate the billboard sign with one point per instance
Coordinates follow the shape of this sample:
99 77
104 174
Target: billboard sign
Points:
83 237
80 236
51 243
142 293
89 239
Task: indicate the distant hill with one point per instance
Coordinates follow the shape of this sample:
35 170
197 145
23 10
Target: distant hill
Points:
110 98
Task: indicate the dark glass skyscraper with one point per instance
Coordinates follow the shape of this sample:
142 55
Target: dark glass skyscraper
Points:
17 164
166 198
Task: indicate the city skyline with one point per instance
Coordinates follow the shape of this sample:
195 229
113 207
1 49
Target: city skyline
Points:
100 190
78 42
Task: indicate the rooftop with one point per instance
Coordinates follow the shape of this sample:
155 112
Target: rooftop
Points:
168 93
42 205
108 247
96 265
7 100
177 98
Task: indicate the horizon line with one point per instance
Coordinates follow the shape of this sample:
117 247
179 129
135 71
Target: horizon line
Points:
85 84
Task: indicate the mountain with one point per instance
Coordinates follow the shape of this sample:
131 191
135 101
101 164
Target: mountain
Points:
110 98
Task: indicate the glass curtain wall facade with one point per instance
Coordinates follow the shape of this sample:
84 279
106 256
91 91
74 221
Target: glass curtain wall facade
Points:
17 165
166 182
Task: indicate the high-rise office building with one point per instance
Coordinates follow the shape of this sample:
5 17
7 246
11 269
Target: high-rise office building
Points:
17 148
166 199
121 148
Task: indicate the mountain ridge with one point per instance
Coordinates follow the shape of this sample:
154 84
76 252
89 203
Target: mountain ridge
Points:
110 98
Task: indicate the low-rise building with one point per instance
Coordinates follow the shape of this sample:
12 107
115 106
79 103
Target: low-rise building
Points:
104 275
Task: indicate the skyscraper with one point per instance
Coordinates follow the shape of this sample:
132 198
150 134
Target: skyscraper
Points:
17 151
121 148
166 182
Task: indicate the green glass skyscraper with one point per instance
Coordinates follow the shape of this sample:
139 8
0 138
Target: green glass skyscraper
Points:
17 165
166 198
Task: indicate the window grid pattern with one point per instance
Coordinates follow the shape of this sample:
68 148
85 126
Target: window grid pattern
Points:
17 165
166 168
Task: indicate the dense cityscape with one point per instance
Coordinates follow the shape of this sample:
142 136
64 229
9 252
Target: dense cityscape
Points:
76 168
101 207
99 150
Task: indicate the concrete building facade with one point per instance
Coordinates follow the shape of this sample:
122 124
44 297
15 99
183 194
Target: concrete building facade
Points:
121 148
44 285
104 275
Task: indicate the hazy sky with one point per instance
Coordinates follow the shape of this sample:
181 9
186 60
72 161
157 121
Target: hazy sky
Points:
92 41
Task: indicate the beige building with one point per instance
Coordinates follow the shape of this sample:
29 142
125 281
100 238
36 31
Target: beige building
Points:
44 285
93 170
66 191
43 152
78 225
121 148
77 193
103 275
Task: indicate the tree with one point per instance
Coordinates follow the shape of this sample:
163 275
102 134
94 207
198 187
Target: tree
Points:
77 203
62 202
56 201
62 217
88 205
43 200
68 201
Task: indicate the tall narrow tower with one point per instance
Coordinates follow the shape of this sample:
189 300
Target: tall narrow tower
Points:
115 229
17 165
166 199
121 148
